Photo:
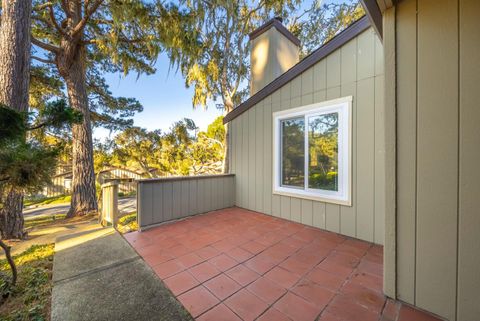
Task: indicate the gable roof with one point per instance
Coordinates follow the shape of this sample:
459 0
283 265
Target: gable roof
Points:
336 42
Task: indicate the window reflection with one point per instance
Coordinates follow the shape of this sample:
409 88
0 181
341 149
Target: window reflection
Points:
293 151
323 152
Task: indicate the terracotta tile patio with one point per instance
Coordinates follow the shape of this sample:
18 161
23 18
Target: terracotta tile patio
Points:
235 264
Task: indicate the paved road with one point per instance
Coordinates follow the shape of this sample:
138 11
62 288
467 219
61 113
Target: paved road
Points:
126 205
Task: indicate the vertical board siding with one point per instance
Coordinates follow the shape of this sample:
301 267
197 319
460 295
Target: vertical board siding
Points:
348 213
307 212
388 141
163 200
406 149
251 151
158 201
319 210
379 164
259 156
295 210
354 67
438 76
267 156
437 164
244 173
365 158
469 155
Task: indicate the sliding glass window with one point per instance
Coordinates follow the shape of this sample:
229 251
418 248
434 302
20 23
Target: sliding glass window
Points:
312 151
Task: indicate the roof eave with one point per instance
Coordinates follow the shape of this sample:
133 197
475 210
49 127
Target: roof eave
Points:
374 14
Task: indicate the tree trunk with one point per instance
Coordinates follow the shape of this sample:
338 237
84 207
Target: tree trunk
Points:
228 103
84 199
14 82
11 217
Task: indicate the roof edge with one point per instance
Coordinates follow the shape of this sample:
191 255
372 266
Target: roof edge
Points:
374 13
336 42
276 23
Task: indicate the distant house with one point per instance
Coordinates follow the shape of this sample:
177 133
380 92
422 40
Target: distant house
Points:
375 135
125 176
62 181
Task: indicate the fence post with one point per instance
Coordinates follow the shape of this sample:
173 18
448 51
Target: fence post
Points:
109 213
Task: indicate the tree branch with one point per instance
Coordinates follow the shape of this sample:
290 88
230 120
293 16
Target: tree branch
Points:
79 27
66 8
45 46
10 261
45 61
54 21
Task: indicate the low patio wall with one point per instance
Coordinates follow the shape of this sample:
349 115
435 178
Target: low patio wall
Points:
165 199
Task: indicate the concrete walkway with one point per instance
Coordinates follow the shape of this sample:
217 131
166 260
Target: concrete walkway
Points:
98 276
48 233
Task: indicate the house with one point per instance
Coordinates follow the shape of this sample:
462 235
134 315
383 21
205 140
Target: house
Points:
125 176
62 180
374 135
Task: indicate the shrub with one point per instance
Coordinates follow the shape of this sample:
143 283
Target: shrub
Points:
128 223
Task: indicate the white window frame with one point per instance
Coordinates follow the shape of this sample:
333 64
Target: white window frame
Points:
344 194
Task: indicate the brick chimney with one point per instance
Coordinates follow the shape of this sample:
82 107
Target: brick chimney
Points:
274 50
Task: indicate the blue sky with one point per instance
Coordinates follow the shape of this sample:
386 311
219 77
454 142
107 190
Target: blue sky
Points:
163 96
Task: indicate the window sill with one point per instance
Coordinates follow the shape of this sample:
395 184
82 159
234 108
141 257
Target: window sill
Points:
308 196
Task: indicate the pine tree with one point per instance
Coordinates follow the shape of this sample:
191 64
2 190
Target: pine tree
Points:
14 83
79 40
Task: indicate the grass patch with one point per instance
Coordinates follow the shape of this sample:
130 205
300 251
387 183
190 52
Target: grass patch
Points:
30 298
45 220
128 223
48 200
129 194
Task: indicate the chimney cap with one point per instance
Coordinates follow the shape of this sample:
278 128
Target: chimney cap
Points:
277 23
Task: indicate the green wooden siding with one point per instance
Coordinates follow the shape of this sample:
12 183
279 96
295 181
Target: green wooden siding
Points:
355 69
438 139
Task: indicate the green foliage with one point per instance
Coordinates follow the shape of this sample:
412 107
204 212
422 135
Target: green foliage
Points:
323 151
128 223
47 200
25 164
44 220
118 37
208 41
323 20
208 150
12 125
138 147
216 130
57 116
127 194
30 298
128 219
179 151
26 167
45 85
328 181
211 46
293 147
